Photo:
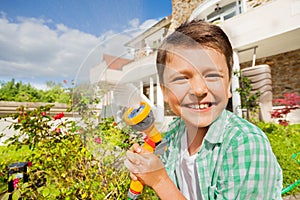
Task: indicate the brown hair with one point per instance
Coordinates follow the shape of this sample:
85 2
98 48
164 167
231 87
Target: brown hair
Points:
192 34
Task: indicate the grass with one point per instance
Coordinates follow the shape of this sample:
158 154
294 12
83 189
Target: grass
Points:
285 142
11 155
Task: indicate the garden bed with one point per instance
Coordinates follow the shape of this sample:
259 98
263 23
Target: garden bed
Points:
71 161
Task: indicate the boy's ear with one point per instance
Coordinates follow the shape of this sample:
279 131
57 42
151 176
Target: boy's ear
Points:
165 93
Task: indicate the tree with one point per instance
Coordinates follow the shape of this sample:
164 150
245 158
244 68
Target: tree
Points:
21 92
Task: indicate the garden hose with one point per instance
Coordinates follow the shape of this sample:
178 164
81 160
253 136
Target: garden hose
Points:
296 183
142 119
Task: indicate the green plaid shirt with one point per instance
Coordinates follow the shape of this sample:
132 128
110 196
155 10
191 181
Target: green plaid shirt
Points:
235 160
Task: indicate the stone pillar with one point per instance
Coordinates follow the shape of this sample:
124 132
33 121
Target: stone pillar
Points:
181 11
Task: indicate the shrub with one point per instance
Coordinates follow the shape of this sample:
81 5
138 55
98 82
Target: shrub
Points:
68 161
290 102
249 100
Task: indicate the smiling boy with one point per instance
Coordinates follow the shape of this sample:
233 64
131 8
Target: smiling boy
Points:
212 153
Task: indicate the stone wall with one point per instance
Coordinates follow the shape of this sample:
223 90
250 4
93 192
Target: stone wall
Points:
182 10
255 3
285 71
11 107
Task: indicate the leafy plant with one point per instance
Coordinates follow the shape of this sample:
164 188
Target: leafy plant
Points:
69 161
62 165
290 102
249 100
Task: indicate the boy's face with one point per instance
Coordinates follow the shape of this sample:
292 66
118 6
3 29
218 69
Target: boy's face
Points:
196 84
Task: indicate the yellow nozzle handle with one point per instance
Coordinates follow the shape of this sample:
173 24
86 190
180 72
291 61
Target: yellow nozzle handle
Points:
138 118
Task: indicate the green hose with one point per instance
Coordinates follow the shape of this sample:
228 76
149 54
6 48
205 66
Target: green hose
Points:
292 186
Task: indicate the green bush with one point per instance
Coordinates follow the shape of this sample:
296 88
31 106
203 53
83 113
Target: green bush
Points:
68 161
285 142
22 92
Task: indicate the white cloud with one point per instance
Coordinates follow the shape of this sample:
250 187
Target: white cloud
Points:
148 23
134 22
32 51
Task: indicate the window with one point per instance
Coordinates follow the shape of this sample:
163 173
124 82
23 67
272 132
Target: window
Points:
226 12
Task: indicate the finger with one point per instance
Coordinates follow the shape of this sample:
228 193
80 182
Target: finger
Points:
150 162
134 158
133 177
137 148
130 166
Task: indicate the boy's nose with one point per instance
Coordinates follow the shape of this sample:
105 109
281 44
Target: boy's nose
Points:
198 87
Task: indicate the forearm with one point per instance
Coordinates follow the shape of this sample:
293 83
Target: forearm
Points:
167 190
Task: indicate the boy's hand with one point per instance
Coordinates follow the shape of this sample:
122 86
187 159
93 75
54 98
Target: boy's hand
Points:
145 166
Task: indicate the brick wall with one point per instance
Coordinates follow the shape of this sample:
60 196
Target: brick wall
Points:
285 71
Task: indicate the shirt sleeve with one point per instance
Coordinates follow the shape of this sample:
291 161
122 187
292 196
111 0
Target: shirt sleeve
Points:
249 170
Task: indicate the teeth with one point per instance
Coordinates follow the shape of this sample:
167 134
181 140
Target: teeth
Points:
197 106
203 106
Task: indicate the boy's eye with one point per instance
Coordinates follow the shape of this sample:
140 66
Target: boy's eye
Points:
179 78
213 76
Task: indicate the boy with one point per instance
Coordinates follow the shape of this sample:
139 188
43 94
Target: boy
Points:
212 153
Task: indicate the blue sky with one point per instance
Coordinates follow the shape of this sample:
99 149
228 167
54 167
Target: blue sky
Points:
47 40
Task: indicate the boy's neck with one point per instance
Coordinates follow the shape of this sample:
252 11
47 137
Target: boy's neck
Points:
195 138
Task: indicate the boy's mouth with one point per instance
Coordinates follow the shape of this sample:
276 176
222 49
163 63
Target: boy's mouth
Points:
199 106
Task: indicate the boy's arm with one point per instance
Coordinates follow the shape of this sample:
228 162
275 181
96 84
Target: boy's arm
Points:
166 189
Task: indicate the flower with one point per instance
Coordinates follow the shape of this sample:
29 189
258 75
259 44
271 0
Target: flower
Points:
290 102
58 116
57 130
115 123
44 113
283 122
98 140
29 163
15 182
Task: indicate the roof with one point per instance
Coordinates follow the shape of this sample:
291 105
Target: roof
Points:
114 62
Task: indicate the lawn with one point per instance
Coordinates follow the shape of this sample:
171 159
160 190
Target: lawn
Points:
285 142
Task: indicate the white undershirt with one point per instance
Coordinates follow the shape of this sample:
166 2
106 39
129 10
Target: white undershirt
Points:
188 179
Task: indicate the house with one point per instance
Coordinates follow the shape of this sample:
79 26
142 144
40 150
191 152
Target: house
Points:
261 32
